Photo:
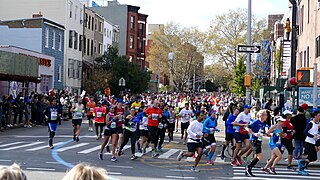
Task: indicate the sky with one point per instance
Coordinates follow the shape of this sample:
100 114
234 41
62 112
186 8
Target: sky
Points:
200 13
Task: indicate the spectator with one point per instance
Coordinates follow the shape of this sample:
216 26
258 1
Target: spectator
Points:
85 172
306 112
12 172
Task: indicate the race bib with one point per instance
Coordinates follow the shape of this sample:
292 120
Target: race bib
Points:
154 117
113 125
78 115
171 120
54 116
91 109
160 126
132 127
99 114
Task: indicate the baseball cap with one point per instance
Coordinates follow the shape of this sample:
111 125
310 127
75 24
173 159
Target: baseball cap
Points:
247 106
279 118
287 112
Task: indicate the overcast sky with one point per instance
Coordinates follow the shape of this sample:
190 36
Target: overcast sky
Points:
200 12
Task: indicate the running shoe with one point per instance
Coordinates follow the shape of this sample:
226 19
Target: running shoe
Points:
154 154
51 147
291 168
133 157
245 159
101 156
273 170
180 156
77 139
239 160
74 138
120 152
209 162
113 159
303 173
97 138
194 169
234 163
265 170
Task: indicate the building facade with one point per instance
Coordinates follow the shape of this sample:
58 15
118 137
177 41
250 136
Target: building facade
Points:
40 35
68 13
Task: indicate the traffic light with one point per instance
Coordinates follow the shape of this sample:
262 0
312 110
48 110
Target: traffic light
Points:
303 76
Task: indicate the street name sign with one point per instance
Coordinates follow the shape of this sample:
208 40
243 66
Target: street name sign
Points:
249 49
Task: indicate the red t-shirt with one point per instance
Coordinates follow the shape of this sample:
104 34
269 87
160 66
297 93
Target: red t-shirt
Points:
154 112
119 111
289 126
99 114
91 107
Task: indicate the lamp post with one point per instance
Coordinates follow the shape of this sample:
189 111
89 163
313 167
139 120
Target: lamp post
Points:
248 62
122 84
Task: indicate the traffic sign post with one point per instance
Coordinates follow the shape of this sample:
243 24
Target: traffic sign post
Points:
249 49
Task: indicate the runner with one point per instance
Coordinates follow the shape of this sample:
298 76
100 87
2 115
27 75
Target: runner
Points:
186 115
163 124
154 114
130 132
230 130
143 128
256 130
194 140
209 141
119 112
90 107
287 140
78 110
53 114
99 119
171 120
275 145
136 104
241 134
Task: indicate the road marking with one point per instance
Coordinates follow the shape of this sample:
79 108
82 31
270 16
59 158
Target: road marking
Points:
22 146
284 175
9 144
113 173
125 167
5 160
180 177
190 159
141 154
218 160
124 148
90 150
41 169
180 170
167 154
52 162
43 147
72 147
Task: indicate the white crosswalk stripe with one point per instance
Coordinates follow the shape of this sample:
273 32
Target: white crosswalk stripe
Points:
90 150
72 147
141 154
10 144
282 173
21 146
43 147
124 148
167 154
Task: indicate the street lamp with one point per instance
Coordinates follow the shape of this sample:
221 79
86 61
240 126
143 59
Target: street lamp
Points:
122 84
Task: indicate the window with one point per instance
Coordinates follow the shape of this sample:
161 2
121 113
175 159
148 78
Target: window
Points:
76 70
308 55
141 29
100 48
300 59
59 73
91 47
100 27
47 38
95 24
95 46
89 22
70 68
75 40
80 16
79 69
92 23
88 47
86 20
141 45
84 44
318 46
130 58
53 39
302 16
308 11
80 42
132 22
71 34
104 32
131 42
71 6
60 41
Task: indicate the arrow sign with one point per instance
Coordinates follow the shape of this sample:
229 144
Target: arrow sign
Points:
249 49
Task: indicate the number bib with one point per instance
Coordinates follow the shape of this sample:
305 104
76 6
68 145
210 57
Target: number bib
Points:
154 117
78 115
99 114
54 116
91 109
160 126
113 125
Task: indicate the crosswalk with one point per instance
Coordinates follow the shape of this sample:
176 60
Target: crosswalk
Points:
282 173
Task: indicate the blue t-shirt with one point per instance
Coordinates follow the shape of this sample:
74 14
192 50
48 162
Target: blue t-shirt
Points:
209 123
257 126
230 127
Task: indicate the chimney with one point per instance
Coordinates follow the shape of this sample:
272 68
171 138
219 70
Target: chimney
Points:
39 15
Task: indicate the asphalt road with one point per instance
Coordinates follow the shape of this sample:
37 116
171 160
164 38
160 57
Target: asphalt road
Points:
29 148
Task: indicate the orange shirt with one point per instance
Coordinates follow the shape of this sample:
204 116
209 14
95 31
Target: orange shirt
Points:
91 107
99 114
154 112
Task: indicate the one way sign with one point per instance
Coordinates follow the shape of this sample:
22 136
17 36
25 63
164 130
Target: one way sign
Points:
249 49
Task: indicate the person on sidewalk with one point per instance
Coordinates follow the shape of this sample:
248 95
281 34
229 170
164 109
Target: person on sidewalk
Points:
256 130
310 151
299 123
275 133
241 134
194 143
287 140
53 114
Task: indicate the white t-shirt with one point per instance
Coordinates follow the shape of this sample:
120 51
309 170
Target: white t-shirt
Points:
186 115
195 128
244 118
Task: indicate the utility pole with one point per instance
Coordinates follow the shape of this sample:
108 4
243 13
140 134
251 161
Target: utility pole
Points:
293 38
248 63
315 85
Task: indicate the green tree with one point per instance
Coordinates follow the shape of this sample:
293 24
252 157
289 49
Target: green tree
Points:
255 86
238 77
218 74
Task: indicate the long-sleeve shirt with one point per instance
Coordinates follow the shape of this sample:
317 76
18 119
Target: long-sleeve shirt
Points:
208 124
230 128
194 129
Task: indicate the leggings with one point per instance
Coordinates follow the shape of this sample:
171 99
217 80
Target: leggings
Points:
133 137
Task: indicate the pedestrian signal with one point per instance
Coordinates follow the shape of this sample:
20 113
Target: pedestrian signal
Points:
303 76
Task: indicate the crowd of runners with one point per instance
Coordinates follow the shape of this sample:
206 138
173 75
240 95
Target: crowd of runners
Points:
146 119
